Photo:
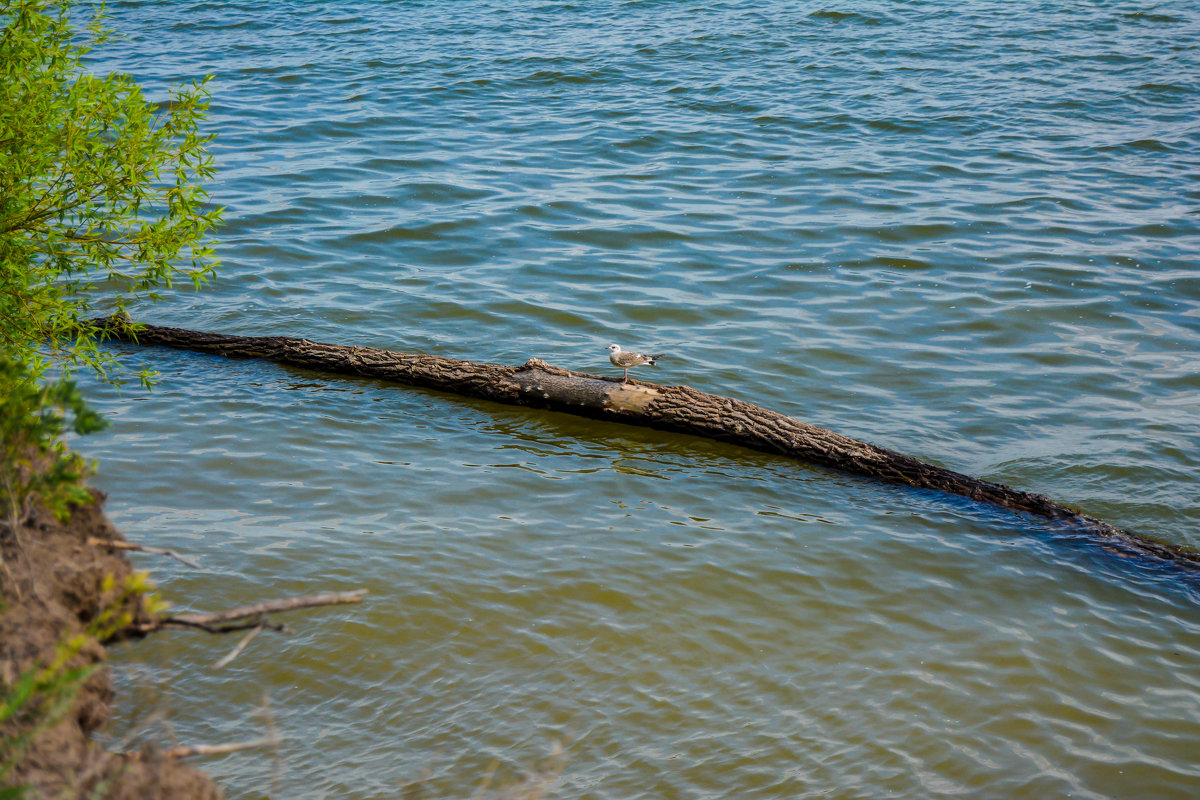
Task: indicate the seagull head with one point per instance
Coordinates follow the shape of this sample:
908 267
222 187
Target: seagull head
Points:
614 348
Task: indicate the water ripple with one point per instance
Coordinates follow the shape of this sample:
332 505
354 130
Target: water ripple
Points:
962 230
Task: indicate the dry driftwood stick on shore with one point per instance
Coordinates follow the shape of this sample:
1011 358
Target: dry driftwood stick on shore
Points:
674 408
215 622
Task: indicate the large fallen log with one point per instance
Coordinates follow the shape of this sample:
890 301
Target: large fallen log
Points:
674 408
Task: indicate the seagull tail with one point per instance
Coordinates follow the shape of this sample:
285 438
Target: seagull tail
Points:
655 358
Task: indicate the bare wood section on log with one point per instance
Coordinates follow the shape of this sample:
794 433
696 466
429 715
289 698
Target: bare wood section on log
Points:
674 408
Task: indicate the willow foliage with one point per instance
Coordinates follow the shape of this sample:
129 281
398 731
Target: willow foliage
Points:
102 198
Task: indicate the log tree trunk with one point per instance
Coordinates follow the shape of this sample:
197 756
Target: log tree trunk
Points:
674 408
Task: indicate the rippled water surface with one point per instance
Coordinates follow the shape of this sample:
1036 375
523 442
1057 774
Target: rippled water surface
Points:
967 231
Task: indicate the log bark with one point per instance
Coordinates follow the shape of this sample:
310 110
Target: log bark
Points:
680 409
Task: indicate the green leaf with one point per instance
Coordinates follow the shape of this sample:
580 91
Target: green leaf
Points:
82 198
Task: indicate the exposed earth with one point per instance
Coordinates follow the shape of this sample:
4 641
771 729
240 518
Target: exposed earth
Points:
53 586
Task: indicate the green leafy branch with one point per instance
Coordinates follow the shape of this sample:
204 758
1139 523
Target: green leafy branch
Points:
34 461
99 187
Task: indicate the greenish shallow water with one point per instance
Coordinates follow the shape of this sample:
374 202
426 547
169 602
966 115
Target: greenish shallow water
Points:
965 231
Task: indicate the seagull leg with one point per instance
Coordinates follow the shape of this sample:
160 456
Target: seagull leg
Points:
626 378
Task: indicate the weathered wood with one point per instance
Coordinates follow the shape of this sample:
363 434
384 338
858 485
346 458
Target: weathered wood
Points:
113 544
186 751
215 622
227 659
674 408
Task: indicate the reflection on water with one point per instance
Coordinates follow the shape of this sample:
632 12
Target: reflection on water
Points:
964 232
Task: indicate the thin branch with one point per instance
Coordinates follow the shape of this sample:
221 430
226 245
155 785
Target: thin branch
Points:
272 606
235 652
208 749
175 622
78 195
141 548
218 749
212 623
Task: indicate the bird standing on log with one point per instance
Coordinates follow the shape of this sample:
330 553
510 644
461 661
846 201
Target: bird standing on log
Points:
625 360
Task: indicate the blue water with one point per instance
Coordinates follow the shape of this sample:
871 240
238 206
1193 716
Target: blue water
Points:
965 231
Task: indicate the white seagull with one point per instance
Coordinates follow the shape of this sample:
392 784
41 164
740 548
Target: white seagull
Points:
625 360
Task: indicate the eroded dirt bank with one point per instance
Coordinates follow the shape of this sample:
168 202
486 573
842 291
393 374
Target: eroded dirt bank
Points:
54 587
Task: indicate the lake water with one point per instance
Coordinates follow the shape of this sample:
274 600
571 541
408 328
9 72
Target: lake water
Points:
966 231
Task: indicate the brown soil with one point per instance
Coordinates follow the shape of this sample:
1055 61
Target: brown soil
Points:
52 586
